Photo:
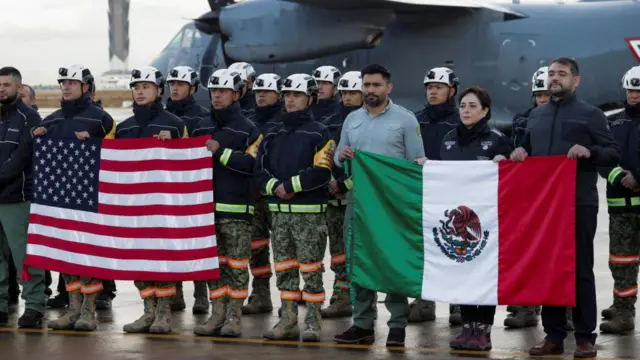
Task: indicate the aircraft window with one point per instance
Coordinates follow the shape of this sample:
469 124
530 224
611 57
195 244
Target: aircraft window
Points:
200 40
187 38
175 42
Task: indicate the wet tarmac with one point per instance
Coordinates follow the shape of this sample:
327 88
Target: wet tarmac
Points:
424 341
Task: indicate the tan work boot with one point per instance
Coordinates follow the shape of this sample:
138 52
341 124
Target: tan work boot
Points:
162 322
68 320
422 310
260 298
287 327
609 312
144 322
513 309
232 326
201 295
177 304
341 307
525 317
218 315
87 320
622 323
312 322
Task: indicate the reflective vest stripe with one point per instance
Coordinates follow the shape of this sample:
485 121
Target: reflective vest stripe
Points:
234 208
296 208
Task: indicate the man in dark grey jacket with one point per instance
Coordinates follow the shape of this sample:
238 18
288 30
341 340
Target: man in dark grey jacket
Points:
566 125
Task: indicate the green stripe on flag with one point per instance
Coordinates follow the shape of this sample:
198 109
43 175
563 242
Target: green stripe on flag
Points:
387 238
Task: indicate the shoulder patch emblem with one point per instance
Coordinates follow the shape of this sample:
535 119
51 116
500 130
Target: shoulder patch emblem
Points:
460 236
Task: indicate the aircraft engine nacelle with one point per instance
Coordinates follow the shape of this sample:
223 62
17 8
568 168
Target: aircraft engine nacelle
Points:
279 31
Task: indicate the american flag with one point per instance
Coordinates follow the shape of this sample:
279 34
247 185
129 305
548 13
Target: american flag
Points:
125 209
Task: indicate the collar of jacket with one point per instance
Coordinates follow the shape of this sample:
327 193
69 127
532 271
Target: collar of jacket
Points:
144 114
266 113
346 110
327 103
6 109
633 111
293 120
181 107
224 116
565 100
438 112
467 135
72 108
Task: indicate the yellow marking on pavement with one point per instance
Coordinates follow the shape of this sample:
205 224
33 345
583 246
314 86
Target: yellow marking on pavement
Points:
297 343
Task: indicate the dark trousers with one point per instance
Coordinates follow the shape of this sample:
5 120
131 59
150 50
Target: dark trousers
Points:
481 314
585 313
14 288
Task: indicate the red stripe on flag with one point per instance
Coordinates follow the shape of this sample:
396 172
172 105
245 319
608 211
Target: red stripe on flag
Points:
156 165
124 254
147 143
536 215
102 273
147 210
124 232
156 188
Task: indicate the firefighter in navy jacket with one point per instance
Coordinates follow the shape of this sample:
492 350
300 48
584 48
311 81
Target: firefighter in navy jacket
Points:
183 84
267 114
151 120
79 118
234 145
350 87
293 168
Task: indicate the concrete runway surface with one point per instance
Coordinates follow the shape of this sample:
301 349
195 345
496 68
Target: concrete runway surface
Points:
424 341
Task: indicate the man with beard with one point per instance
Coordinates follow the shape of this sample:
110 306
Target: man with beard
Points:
268 114
350 87
383 128
78 117
16 121
327 79
184 82
248 75
624 211
437 119
566 125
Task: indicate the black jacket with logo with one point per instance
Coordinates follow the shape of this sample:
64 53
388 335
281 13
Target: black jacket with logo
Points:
519 128
188 110
77 116
233 162
436 121
17 120
334 123
478 143
294 154
148 121
625 127
555 127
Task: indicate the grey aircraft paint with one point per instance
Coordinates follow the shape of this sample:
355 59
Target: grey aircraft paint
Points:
496 46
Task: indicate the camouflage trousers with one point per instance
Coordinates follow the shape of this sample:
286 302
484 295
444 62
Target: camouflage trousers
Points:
155 288
234 250
335 225
260 262
299 242
86 285
624 248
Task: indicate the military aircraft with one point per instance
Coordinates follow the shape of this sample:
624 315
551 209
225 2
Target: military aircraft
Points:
496 46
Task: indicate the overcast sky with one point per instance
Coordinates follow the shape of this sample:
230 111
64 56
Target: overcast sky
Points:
38 36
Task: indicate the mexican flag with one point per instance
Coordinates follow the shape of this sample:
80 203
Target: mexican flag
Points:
465 232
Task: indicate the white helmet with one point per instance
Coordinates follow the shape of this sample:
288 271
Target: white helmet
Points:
226 79
631 80
539 80
441 75
268 81
350 81
147 74
184 73
327 73
300 83
75 72
246 71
